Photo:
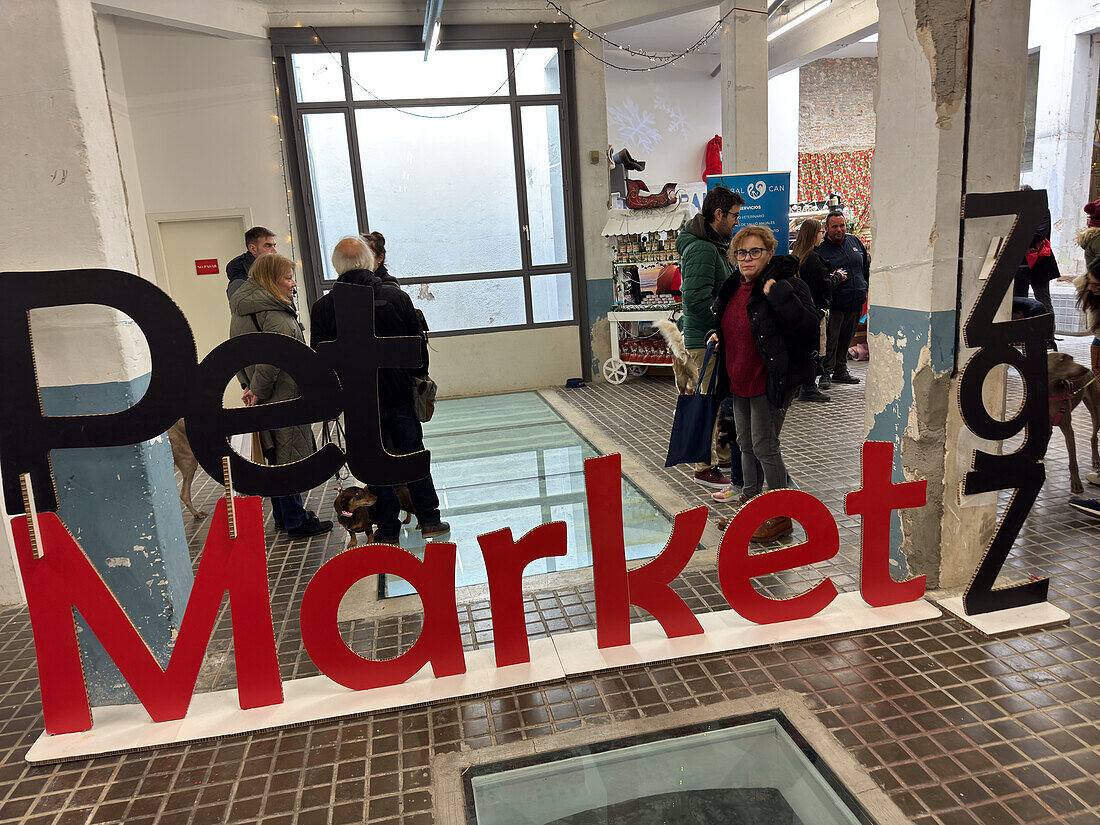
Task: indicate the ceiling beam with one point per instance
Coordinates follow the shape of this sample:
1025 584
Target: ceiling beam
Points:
846 22
604 15
232 19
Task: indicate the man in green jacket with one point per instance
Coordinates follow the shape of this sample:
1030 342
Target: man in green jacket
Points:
702 245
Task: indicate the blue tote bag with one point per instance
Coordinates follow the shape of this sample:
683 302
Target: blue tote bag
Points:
693 426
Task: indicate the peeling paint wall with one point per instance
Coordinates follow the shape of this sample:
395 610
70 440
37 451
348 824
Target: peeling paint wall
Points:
122 505
941 28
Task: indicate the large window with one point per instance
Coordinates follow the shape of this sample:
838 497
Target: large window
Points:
461 161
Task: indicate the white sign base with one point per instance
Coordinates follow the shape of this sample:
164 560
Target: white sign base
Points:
119 728
1013 620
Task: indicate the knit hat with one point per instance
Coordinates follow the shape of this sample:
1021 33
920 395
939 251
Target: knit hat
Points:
1093 211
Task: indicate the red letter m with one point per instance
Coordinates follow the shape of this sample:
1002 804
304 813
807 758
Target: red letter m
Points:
64 579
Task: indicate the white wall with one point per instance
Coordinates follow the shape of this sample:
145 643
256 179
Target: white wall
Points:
783 101
665 116
203 123
1069 67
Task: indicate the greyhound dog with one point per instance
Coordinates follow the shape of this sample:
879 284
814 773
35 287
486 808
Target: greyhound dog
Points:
183 458
1070 385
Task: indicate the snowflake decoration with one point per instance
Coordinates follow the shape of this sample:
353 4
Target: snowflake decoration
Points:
676 120
635 127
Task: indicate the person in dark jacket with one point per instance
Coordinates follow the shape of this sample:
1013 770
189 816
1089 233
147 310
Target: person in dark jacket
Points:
843 253
822 283
401 430
377 243
258 241
1038 268
767 333
702 245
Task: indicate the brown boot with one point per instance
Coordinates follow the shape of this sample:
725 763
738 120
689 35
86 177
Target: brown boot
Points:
774 528
1095 352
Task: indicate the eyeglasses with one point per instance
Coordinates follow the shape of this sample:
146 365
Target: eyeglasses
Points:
745 254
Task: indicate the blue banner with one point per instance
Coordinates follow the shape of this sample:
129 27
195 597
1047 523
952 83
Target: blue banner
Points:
767 201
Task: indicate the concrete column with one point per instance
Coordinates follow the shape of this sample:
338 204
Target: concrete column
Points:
1065 112
922 135
64 207
744 87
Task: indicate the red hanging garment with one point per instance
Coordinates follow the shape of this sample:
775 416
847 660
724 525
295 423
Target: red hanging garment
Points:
712 157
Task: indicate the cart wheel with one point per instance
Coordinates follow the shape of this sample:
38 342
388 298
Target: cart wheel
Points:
614 371
638 370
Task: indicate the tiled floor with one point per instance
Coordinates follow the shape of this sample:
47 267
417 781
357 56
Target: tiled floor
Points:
955 727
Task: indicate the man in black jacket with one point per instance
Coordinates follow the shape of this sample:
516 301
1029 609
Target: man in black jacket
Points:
846 253
402 433
257 241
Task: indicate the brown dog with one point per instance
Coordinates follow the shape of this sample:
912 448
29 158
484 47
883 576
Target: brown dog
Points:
353 506
1070 385
683 367
183 458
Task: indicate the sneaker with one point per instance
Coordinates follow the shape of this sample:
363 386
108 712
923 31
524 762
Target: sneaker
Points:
825 382
726 493
431 530
711 478
844 378
774 528
1093 478
309 527
1086 505
815 394
725 466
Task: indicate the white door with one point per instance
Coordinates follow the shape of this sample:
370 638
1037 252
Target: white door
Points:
196 253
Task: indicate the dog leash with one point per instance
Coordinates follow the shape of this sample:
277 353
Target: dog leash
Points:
336 436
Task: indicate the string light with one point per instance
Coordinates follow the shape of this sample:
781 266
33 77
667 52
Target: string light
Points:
662 59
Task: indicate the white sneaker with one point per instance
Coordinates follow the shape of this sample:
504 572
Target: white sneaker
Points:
1093 478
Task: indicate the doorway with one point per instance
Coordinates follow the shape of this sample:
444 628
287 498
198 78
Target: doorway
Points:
192 250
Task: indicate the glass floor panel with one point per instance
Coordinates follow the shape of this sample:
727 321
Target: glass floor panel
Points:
512 461
746 774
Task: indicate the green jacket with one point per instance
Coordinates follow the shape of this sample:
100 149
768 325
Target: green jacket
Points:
704 268
269 383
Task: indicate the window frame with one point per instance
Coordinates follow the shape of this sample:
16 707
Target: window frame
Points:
511 38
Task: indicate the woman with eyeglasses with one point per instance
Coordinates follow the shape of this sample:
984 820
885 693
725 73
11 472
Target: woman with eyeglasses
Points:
766 336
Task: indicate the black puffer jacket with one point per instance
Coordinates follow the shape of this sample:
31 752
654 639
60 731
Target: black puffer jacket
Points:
784 324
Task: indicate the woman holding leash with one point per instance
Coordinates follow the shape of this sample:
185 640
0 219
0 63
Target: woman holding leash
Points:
265 303
768 329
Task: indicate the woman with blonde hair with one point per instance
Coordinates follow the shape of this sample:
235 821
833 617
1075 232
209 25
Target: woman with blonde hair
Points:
265 303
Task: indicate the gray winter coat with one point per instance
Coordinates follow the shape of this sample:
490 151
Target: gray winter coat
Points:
257 310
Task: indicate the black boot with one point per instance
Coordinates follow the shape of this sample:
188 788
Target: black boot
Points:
809 392
623 157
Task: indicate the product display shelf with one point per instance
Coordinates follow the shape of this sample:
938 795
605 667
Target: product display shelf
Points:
625 359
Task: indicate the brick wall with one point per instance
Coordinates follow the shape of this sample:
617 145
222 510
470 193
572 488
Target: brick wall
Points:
836 111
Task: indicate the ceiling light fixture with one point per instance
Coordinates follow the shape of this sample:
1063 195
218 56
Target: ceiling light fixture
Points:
802 18
433 18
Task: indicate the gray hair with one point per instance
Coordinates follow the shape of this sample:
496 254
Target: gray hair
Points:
352 253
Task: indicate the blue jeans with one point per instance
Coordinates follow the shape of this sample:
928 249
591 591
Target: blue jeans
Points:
288 511
403 434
